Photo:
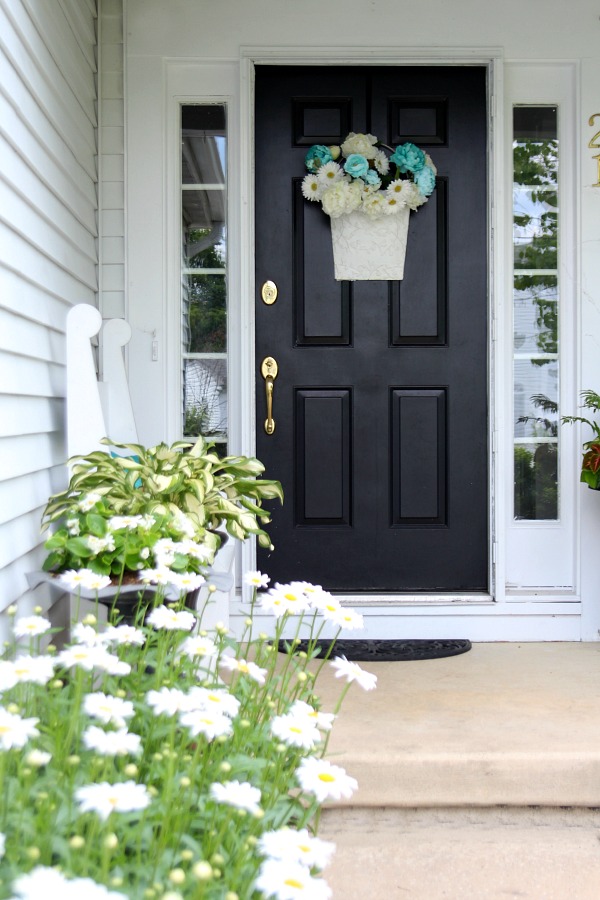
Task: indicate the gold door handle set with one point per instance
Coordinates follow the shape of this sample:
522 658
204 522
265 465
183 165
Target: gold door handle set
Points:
269 370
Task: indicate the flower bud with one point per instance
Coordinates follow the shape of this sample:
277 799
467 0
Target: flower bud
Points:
217 859
111 841
131 770
211 588
177 876
12 610
184 781
76 842
33 853
225 766
73 760
187 854
90 619
302 677
37 610
203 871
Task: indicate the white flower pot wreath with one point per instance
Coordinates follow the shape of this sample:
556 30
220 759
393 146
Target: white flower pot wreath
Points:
369 205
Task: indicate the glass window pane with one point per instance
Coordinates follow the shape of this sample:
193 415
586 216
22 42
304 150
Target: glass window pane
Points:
206 302
536 398
204 270
535 320
535 311
205 398
536 481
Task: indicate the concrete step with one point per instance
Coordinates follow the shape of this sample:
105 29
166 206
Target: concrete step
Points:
504 724
463 854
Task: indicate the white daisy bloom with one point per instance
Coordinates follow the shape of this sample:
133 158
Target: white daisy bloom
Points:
322 720
211 725
38 758
44 882
89 658
287 880
296 846
391 206
184 524
329 174
186 581
108 709
33 669
95 582
325 602
198 646
16 731
381 162
74 578
201 552
160 575
285 598
105 798
348 619
324 780
8 678
31 626
124 634
214 699
256 579
73 527
88 502
122 523
171 619
240 794
111 743
167 701
351 671
85 634
397 188
296 731
231 664
312 188
98 544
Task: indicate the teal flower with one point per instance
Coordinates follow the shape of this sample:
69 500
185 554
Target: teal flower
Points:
425 180
372 177
356 165
408 158
317 156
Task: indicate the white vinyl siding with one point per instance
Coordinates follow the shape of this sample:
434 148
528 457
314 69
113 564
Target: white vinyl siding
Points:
48 255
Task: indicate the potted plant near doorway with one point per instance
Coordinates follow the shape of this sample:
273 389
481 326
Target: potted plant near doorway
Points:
590 463
145 519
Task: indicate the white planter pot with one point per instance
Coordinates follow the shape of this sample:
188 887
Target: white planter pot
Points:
367 249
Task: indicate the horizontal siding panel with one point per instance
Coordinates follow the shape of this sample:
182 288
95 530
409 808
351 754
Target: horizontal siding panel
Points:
25 338
30 415
17 173
38 304
59 37
28 377
81 17
26 220
13 577
47 152
19 255
49 89
30 453
19 536
30 493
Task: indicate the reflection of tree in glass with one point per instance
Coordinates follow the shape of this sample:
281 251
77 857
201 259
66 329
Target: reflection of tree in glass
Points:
207 300
205 404
535 165
536 241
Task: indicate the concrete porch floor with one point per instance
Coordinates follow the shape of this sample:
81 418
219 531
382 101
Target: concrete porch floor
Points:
479 776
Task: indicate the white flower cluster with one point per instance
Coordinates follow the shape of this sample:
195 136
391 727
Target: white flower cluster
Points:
43 881
300 597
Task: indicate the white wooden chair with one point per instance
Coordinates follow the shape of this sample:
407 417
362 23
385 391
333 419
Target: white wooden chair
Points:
100 407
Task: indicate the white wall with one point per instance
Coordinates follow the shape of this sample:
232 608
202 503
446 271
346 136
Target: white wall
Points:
48 255
195 38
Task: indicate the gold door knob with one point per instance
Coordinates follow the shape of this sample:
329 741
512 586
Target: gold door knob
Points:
269 370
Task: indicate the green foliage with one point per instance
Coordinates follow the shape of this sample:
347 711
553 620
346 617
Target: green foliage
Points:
207 304
536 479
590 464
185 477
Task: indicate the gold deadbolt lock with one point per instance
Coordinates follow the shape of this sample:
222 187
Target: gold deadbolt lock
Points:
269 292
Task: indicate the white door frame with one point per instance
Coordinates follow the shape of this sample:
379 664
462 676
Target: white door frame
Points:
491 58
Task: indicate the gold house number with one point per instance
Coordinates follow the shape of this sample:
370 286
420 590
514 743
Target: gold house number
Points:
594 144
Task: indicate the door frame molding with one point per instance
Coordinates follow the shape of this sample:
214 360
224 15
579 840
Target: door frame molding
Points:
492 59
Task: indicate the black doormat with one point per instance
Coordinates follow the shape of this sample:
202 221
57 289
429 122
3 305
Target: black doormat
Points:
388 651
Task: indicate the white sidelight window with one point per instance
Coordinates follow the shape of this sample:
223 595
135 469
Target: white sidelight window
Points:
536 374
204 406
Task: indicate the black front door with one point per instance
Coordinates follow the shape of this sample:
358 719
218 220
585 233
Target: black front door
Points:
380 402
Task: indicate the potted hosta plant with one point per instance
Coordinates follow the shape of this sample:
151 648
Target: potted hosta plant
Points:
590 464
149 517
368 196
